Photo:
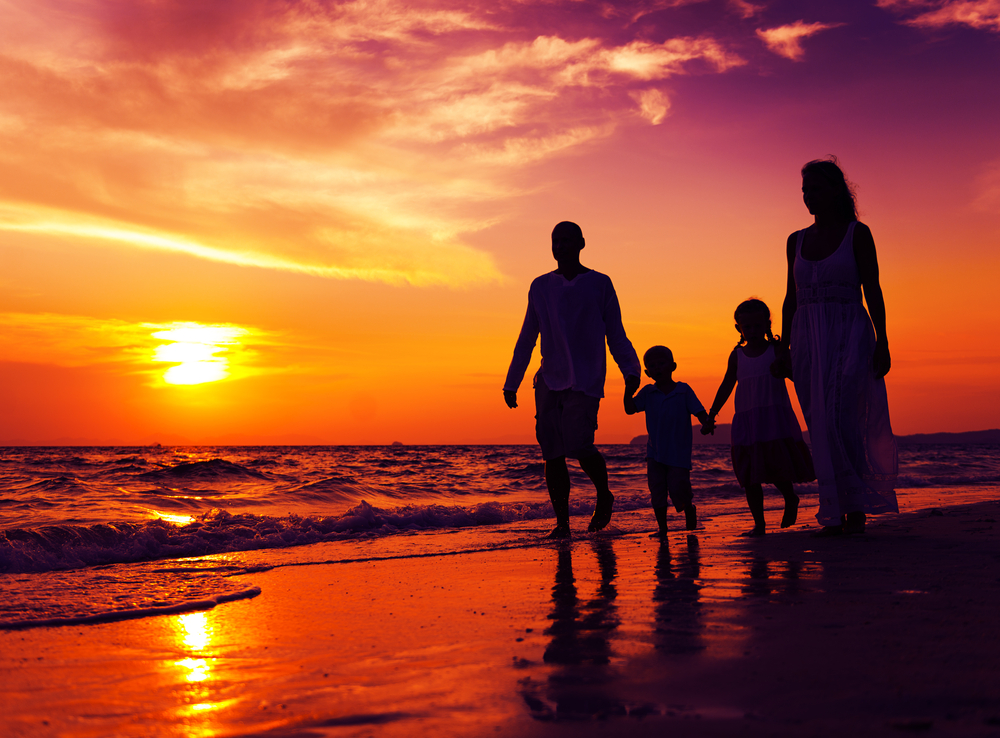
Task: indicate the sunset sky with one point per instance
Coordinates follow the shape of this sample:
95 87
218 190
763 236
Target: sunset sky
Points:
316 222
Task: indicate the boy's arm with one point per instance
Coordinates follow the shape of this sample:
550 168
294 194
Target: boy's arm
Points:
726 388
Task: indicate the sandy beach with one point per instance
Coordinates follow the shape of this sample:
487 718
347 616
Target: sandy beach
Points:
890 633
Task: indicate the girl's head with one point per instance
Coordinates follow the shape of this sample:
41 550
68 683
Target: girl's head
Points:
825 188
753 321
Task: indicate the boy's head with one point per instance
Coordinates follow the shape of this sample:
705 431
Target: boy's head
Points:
659 362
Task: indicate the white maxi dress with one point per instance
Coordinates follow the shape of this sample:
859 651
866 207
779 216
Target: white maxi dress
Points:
845 405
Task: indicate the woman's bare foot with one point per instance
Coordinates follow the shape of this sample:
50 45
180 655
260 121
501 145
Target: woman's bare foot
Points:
756 531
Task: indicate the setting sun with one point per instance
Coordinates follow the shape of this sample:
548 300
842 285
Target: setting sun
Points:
196 351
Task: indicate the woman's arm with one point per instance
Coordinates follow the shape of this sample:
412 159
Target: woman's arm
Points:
867 259
782 366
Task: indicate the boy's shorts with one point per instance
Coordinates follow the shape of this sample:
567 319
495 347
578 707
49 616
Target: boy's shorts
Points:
664 480
565 421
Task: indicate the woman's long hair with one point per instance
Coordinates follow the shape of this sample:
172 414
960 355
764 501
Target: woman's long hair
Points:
829 169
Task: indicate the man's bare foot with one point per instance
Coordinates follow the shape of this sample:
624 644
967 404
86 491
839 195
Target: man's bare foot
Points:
561 531
757 530
661 534
691 517
602 513
791 513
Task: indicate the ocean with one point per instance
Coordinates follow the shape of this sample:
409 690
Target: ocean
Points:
89 535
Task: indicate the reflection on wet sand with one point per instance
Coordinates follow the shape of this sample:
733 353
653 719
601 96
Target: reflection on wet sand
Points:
679 626
581 634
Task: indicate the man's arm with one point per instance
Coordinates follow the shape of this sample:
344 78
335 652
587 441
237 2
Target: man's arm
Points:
621 348
523 349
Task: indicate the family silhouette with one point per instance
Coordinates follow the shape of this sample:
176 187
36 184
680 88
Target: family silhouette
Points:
834 350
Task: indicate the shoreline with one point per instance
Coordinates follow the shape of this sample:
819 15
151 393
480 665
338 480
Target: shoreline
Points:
606 635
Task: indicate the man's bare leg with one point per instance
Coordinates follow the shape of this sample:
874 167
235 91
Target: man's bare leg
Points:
595 467
557 480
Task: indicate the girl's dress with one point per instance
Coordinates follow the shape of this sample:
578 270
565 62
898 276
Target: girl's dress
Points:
767 440
844 403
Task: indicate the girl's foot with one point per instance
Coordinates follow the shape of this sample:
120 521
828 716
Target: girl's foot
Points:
757 530
791 513
661 534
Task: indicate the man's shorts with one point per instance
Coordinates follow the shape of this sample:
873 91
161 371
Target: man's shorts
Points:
664 480
565 421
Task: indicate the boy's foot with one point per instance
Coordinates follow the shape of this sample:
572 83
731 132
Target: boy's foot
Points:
791 513
602 513
757 530
828 530
561 531
690 517
661 534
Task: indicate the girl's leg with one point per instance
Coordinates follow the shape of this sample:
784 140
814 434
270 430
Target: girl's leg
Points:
755 501
791 504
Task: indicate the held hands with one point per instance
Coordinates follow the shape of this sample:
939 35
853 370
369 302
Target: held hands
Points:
781 367
510 398
632 385
708 427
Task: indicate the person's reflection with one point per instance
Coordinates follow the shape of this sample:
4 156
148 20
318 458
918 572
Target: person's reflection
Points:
581 644
677 599
765 578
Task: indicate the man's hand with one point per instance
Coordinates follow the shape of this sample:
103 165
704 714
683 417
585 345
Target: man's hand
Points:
510 398
631 385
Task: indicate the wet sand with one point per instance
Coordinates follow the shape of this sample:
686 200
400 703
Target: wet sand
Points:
890 633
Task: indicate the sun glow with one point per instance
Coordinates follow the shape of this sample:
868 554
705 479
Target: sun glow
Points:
195 351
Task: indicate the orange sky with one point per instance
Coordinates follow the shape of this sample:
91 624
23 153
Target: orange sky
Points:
334 210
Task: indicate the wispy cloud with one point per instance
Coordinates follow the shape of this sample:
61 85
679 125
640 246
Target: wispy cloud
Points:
786 40
982 14
333 140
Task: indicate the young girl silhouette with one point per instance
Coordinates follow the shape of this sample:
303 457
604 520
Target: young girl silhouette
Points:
767 441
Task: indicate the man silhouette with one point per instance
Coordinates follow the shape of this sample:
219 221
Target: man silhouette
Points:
575 309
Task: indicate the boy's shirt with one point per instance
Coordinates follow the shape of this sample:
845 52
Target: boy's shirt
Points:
668 422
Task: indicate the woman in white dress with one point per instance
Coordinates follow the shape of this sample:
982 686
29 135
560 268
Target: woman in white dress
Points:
839 353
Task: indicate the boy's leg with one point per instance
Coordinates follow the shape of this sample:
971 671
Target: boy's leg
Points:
679 484
656 480
557 480
755 501
597 469
791 504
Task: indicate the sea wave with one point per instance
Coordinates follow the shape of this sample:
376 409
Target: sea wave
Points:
63 547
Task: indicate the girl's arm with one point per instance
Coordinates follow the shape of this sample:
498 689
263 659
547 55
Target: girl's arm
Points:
865 256
726 388
782 366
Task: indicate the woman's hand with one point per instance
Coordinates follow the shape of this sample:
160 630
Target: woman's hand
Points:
881 361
